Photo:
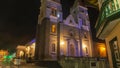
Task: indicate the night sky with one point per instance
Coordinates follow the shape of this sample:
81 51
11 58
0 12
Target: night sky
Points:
18 20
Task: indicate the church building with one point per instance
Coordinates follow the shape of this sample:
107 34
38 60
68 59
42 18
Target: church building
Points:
57 37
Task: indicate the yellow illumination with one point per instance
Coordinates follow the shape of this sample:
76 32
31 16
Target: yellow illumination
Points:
33 45
102 48
21 53
53 28
102 51
2 54
62 43
28 49
84 46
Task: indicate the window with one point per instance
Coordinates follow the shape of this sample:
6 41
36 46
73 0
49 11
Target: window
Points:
81 10
53 47
53 28
71 33
53 12
84 22
70 22
85 35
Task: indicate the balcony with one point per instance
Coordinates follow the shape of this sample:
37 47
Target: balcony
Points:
108 18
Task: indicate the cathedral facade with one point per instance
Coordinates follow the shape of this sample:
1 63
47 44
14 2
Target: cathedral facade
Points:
57 37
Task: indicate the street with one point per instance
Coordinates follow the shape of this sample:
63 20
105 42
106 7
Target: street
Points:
27 65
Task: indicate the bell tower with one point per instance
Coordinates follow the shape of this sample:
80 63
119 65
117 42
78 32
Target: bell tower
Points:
47 32
51 9
79 12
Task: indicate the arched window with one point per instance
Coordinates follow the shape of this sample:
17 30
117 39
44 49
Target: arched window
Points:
53 47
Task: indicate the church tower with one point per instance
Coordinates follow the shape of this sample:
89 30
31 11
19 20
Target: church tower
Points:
47 31
51 9
57 37
79 12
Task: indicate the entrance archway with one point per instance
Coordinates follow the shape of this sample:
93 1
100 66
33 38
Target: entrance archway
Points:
72 48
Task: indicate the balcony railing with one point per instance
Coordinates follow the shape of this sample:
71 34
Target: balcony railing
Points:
109 11
84 62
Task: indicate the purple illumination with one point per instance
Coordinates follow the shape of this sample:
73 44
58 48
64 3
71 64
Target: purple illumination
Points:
33 41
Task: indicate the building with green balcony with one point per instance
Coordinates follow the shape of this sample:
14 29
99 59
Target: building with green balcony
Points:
108 29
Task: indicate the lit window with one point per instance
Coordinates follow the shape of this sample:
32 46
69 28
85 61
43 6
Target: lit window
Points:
53 28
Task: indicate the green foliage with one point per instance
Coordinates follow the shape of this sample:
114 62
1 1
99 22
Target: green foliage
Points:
7 60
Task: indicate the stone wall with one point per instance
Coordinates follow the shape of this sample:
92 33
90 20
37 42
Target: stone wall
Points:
83 62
